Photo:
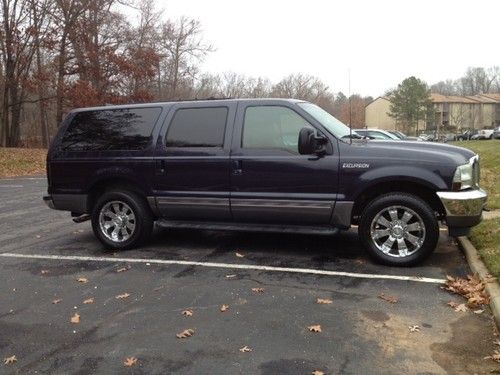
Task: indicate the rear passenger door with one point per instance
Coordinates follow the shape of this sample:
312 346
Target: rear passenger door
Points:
192 161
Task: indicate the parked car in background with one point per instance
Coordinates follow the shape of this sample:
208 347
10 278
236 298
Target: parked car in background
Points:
403 136
496 132
426 137
484 134
377 134
467 134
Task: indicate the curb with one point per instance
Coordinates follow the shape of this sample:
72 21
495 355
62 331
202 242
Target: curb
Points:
477 266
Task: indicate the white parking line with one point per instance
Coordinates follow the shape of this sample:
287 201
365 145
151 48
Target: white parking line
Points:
311 271
11 186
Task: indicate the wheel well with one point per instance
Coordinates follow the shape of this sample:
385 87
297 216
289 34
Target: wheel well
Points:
421 191
111 184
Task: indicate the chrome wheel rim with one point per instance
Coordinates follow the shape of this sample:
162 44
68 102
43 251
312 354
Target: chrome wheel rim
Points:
397 231
117 221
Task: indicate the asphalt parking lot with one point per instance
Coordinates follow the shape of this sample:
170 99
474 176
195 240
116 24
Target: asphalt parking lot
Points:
43 254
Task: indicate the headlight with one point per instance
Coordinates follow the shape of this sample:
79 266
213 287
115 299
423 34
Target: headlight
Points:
467 175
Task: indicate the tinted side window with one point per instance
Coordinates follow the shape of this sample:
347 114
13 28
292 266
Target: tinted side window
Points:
116 129
272 127
197 127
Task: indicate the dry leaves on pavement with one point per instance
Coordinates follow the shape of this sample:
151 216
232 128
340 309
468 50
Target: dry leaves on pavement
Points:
130 361
239 255
56 301
245 349
123 269
224 308
44 272
317 372
495 356
230 276
458 307
314 328
187 312
414 328
10 360
82 280
75 319
185 334
324 301
258 290
472 288
122 296
390 299
88 301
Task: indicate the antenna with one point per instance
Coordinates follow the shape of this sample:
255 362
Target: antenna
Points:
350 107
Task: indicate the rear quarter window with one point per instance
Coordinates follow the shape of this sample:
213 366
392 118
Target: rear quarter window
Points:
114 129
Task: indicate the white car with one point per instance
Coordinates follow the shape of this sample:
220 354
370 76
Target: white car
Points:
377 134
484 134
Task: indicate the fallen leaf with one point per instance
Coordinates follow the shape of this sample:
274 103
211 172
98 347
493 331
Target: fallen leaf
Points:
230 276
239 255
122 296
224 308
245 349
478 311
75 319
44 272
495 356
314 328
123 269
472 288
390 299
458 307
130 361
414 328
10 360
82 280
188 312
88 301
258 290
496 342
38 236
56 301
185 334
317 372
323 301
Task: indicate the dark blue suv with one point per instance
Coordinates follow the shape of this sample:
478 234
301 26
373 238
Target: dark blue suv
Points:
258 165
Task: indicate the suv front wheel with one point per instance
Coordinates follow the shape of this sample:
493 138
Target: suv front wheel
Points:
121 220
399 229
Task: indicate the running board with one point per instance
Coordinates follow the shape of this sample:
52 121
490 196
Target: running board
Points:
248 227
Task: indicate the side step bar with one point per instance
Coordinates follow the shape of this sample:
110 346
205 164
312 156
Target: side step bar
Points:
248 227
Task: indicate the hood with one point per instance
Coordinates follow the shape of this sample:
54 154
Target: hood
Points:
422 152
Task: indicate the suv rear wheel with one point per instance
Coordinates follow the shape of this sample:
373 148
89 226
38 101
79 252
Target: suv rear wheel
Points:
121 220
399 229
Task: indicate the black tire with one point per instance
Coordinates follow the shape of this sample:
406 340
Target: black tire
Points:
424 216
143 219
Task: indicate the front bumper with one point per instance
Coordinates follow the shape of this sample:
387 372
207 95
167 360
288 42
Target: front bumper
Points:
463 209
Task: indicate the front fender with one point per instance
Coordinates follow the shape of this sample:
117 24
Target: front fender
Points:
358 182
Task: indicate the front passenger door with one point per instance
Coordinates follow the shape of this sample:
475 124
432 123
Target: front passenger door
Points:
270 180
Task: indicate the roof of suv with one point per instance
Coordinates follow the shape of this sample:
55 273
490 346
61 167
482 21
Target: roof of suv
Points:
193 101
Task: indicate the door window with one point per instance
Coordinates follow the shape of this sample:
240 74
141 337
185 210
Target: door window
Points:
197 127
272 127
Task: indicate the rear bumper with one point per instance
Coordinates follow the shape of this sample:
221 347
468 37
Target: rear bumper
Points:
76 203
463 209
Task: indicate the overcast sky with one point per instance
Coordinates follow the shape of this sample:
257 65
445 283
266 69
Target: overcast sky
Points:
380 41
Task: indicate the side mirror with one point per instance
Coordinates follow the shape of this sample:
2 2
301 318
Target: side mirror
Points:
310 144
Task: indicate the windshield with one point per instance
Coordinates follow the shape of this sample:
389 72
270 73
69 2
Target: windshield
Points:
336 127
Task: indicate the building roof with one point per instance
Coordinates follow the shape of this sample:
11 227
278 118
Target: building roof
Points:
438 98
495 97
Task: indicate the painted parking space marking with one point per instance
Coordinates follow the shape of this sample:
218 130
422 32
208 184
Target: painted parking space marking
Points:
232 266
11 186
